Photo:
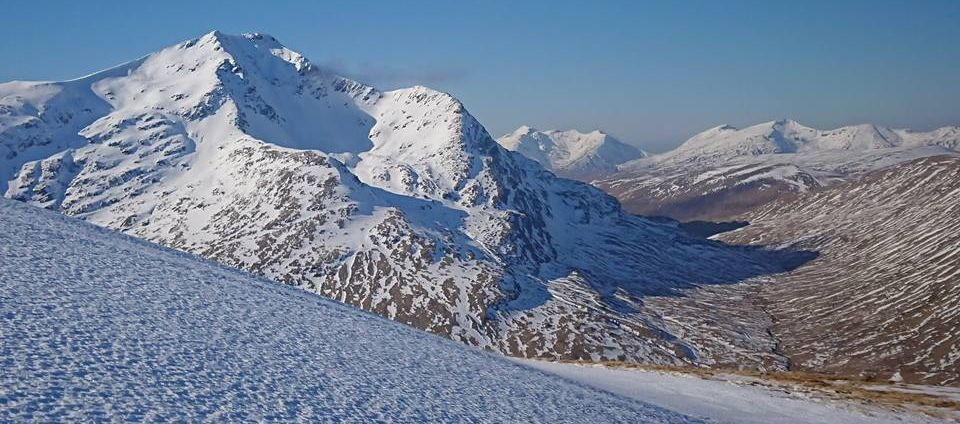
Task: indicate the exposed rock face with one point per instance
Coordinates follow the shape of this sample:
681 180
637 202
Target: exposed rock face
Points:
238 149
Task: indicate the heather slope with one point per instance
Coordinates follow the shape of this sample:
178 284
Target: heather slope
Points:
880 299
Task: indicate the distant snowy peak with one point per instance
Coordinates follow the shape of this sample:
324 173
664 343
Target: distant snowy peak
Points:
571 153
948 137
789 136
726 171
769 137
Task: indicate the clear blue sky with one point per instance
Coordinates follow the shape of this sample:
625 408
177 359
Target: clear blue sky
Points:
650 73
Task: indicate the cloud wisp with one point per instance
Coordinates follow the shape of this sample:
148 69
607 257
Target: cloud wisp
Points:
389 77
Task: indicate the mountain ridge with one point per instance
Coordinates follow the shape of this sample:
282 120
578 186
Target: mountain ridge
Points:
724 171
789 136
240 150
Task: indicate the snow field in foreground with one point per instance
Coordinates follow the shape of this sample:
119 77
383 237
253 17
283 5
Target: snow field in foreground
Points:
100 326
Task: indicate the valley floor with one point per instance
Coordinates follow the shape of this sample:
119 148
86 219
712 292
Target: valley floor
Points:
727 398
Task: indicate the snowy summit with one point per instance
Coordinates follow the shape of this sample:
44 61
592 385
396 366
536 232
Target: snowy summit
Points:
570 153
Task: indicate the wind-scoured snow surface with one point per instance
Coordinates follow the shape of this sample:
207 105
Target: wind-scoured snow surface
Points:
100 326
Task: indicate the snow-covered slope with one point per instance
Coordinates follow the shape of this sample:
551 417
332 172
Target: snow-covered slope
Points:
97 326
240 150
732 399
726 171
882 298
570 153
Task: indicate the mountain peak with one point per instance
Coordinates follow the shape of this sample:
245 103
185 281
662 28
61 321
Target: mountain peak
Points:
217 35
788 125
576 136
212 35
571 153
244 50
785 121
257 36
525 129
720 128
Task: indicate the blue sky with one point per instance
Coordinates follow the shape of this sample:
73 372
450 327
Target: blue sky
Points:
652 73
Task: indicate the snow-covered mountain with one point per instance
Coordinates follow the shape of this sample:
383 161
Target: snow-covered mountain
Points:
570 153
240 150
725 171
788 136
882 298
97 326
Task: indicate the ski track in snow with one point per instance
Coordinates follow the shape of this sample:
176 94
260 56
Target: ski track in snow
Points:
100 326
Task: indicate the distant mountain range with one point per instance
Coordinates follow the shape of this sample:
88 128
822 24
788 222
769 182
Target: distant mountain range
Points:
788 136
724 171
877 205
